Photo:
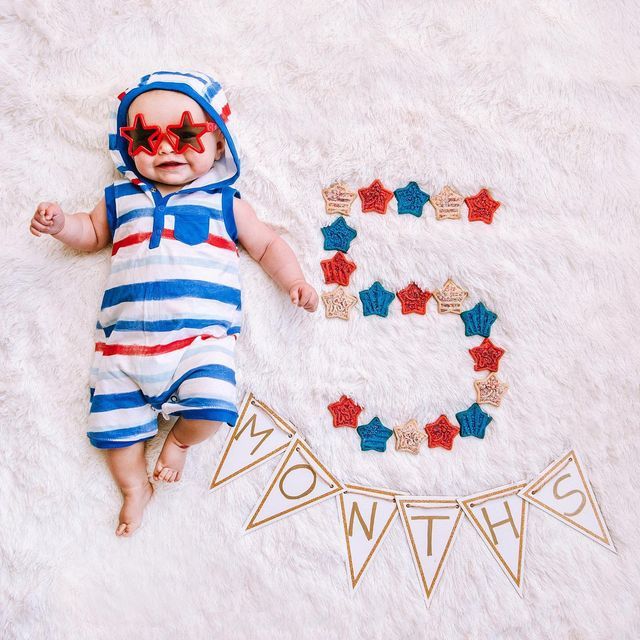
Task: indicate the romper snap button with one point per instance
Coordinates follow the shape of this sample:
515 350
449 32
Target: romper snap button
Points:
174 398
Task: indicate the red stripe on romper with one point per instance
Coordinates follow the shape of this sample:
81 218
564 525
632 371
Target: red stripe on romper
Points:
146 350
137 238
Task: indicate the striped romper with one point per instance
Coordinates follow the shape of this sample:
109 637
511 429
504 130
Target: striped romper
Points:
171 311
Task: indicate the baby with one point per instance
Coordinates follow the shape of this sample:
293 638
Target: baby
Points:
171 311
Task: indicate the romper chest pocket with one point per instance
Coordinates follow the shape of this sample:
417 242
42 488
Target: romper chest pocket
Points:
191 227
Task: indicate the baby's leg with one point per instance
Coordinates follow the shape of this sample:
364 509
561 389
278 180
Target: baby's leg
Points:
174 451
129 469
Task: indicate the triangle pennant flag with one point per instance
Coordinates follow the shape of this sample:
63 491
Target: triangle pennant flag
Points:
258 435
500 517
430 524
563 490
299 481
366 515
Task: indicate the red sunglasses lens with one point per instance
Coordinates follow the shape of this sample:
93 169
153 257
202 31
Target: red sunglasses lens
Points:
141 137
187 134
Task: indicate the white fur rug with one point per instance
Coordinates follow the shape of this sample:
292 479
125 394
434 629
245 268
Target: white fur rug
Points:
536 100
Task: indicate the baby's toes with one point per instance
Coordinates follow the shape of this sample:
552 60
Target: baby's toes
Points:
165 474
122 527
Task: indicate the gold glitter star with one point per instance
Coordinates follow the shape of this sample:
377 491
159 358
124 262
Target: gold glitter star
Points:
338 198
409 436
338 303
450 297
447 204
490 390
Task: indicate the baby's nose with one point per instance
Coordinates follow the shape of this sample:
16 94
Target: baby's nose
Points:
165 145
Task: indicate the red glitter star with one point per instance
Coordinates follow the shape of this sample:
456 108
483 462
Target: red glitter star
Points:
413 299
441 433
482 206
375 197
486 356
345 412
338 269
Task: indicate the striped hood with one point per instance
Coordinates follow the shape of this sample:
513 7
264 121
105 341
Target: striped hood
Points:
206 92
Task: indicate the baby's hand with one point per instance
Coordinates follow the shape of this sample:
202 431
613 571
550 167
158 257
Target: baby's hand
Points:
304 295
48 218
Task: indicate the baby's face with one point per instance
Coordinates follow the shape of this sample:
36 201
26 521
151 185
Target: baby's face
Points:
163 108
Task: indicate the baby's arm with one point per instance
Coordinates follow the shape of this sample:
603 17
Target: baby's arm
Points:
83 231
274 255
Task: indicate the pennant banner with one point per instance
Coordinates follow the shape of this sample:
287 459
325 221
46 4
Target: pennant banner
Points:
500 517
366 515
430 524
299 481
564 491
259 434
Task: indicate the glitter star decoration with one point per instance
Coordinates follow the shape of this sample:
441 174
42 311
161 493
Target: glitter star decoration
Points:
375 197
409 437
338 198
338 235
447 204
411 199
473 421
450 297
337 270
373 435
486 356
338 302
345 412
413 299
376 300
441 433
478 321
482 206
490 390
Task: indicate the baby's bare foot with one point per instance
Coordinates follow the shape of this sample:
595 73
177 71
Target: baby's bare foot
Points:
171 459
134 501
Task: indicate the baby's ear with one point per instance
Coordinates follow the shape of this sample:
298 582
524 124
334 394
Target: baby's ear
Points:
220 144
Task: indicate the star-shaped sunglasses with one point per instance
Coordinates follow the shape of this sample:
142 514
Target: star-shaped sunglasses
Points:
182 136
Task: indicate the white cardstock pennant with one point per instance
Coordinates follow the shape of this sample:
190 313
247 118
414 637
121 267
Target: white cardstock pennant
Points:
500 517
563 490
259 434
299 481
430 524
366 515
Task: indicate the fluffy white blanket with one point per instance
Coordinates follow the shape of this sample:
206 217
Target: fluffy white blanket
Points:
536 100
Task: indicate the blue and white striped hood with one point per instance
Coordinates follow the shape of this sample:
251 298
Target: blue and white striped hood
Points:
205 91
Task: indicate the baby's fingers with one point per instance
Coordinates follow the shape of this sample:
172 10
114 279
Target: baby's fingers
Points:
312 303
304 298
43 218
38 226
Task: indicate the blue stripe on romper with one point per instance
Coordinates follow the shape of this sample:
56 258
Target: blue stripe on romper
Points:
167 289
132 399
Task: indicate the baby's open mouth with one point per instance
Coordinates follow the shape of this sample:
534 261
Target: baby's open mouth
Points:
170 165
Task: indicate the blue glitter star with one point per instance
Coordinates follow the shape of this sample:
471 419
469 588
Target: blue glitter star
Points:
478 321
473 421
376 300
374 435
411 199
338 235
